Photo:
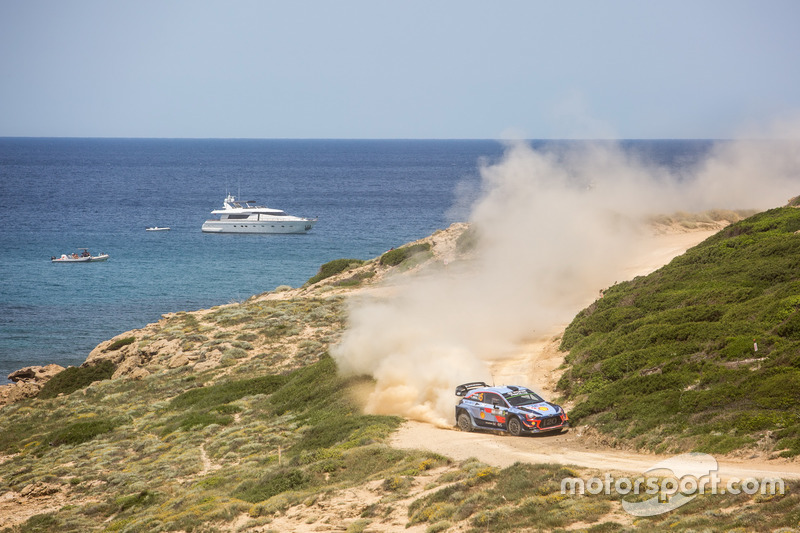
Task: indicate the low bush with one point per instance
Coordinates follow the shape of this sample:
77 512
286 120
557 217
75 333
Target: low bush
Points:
223 393
74 378
331 268
40 523
194 420
398 255
467 241
79 432
272 484
119 343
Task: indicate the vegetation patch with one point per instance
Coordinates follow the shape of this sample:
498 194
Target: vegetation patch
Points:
75 378
398 255
492 500
704 350
355 279
272 484
211 405
80 432
216 395
119 343
331 268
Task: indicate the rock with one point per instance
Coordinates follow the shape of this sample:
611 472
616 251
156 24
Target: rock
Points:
138 373
127 367
211 361
101 351
35 374
39 489
28 382
179 359
17 391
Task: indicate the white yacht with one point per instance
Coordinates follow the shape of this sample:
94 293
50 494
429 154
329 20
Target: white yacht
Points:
246 217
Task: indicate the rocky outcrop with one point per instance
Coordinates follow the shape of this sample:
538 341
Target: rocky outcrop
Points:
28 382
35 374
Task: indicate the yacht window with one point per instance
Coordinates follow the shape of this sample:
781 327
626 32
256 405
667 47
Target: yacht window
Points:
238 217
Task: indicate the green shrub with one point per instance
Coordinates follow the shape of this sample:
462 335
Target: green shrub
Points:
331 268
138 499
355 279
467 241
74 378
398 255
272 484
119 343
223 393
194 420
41 523
79 432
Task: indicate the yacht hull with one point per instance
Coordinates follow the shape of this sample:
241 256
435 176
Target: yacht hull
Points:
262 227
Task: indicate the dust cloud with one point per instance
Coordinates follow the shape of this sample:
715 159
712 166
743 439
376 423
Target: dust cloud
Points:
555 226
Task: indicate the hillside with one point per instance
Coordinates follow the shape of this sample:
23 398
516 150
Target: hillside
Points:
703 354
235 419
218 418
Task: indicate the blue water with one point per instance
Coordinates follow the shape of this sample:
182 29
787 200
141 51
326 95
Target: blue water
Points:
57 195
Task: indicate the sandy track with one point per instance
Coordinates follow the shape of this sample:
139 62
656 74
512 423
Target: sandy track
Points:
569 448
537 365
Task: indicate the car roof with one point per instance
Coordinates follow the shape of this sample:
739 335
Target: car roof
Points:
504 389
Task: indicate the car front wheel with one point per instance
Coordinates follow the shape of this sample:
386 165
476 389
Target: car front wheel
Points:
464 423
514 427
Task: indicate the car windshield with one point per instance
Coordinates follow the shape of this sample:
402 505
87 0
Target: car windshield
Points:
522 398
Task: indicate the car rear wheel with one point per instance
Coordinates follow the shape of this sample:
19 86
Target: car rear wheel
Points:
464 423
514 427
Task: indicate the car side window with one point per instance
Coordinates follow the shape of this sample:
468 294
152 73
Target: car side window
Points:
477 397
494 400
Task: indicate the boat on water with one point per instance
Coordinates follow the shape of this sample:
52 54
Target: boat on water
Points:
83 257
157 228
247 217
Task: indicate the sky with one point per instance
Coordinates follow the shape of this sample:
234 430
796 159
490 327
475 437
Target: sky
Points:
452 69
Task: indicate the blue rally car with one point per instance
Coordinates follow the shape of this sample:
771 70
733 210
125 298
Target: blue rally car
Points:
509 408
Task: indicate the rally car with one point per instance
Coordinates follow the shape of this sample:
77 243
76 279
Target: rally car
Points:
509 408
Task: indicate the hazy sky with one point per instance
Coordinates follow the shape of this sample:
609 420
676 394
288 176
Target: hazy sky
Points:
397 69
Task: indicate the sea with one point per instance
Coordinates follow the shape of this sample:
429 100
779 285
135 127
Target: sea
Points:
61 194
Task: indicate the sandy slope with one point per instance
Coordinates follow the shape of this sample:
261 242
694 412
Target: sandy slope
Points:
537 366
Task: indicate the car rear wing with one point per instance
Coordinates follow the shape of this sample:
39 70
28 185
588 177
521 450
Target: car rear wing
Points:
462 390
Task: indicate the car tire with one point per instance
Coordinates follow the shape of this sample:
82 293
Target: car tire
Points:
464 422
514 426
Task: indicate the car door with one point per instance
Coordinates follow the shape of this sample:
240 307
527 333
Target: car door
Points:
479 409
488 410
498 409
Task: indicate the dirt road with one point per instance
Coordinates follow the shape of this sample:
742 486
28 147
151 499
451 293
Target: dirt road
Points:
537 365
570 448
